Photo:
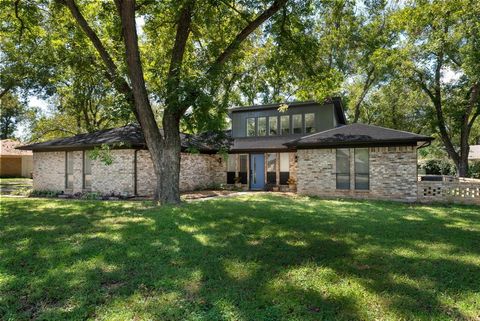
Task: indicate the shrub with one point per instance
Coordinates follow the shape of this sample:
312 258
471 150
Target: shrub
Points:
438 167
45 193
474 170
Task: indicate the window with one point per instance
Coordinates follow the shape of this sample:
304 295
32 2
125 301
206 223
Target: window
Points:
251 127
87 170
309 123
272 126
231 167
343 168
297 124
284 168
262 126
242 171
272 168
69 170
285 125
361 169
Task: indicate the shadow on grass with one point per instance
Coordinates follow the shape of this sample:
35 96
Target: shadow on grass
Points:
250 258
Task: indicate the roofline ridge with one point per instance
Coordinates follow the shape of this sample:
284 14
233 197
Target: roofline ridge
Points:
396 130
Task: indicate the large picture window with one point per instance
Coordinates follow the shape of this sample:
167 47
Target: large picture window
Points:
309 123
262 126
362 181
87 170
272 126
272 168
343 168
251 127
69 170
284 168
297 124
243 170
231 167
285 125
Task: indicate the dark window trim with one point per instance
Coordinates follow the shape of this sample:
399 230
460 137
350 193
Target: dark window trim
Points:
278 125
246 126
289 125
338 173
355 168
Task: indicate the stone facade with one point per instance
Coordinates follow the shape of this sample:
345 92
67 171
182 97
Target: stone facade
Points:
393 173
197 171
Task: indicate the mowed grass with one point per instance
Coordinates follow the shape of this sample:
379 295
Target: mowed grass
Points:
254 257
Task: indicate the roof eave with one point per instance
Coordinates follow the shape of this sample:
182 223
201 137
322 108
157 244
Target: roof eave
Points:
377 143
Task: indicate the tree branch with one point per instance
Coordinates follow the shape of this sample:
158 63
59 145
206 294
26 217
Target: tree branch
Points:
178 51
119 82
240 37
243 15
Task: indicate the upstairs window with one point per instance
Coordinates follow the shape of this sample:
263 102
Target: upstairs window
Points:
309 123
69 170
251 127
87 171
362 169
272 126
262 126
343 168
285 125
297 124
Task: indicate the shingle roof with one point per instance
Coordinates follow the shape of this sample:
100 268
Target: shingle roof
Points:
264 143
130 136
8 148
357 134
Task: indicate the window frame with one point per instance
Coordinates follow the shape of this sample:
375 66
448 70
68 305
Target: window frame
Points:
296 117
68 158
337 173
271 173
269 125
363 174
258 126
305 123
254 126
288 123
284 175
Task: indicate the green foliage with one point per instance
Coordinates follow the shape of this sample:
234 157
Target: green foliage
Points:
45 193
437 167
255 257
12 112
474 170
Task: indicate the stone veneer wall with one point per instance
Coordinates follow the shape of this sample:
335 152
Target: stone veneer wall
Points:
49 171
197 171
393 174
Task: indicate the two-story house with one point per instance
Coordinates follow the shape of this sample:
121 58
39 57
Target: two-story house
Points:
308 144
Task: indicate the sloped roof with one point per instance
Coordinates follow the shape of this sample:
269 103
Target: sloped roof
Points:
357 135
474 152
8 148
262 143
130 136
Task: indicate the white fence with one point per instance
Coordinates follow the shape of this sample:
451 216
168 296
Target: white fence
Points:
450 189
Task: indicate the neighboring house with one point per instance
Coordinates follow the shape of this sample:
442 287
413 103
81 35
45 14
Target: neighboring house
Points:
474 154
309 144
14 162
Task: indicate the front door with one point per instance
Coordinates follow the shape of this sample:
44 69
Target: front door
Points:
257 171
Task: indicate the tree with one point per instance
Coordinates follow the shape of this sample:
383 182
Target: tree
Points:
442 37
181 91
12 112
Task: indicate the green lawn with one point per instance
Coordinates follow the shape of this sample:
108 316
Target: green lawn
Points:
255 257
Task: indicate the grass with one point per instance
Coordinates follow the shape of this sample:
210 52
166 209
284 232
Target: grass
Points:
255 257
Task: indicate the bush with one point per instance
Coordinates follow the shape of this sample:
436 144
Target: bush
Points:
474 170
45 193
438 167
